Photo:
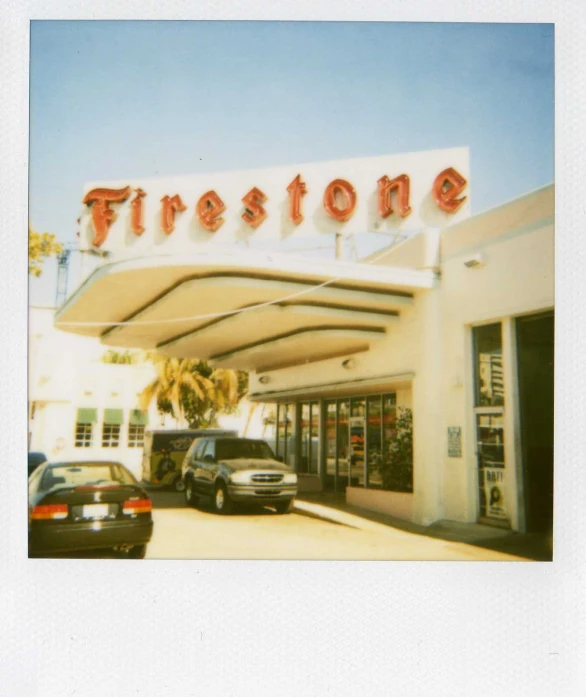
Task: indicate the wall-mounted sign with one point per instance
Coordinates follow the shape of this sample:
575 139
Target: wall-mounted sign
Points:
454 441
377 194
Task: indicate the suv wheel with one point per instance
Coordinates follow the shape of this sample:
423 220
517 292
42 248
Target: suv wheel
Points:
190 497
222 502
284 507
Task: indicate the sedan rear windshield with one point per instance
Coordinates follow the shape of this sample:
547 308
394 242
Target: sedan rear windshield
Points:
234 449
84 474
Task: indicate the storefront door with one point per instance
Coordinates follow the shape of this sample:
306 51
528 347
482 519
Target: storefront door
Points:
356 450
535 351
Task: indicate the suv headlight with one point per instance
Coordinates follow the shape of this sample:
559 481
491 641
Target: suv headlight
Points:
290 479
240 477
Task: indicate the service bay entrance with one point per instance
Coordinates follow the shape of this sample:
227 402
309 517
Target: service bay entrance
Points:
535 351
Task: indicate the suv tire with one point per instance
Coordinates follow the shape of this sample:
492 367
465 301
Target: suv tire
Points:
190 497
222 502
284 507
178 484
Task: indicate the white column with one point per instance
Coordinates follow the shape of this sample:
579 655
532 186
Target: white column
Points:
428 420
514 495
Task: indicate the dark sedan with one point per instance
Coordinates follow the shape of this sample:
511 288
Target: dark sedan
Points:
86 505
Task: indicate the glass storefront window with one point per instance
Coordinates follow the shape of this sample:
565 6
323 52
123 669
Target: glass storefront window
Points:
491 463
285 434
489 402
358 406
389 416
290 435
330 443
309 428
314 438
343 442
269 425
488 365
357 438
281 431
355 434
373 440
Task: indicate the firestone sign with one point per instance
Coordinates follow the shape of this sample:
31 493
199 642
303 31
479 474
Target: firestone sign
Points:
390 193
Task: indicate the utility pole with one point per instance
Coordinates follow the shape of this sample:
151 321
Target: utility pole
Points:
62 274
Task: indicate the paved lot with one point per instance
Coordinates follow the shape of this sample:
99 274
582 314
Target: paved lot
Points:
187 533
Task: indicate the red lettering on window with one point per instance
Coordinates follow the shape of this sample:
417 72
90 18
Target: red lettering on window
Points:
102 215
209 208
170 207
336 190
255 213
386 187
136 212
296 190
447 185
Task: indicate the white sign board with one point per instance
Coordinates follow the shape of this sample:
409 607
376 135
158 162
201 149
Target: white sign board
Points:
376 194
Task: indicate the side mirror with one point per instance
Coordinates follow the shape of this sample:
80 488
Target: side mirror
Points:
279 458
209 458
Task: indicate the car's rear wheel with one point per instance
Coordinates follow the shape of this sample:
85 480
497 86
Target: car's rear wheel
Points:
222 502
179 484
190 497
284 507
137 552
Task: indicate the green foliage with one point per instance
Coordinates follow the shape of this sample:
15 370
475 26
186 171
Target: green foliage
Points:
40 247
191 389
396 464
122 357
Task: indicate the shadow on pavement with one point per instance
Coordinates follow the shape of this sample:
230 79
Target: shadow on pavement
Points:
531 546
535 547
171 499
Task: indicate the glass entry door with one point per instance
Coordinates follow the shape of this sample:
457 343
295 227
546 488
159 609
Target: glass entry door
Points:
356 451
309 428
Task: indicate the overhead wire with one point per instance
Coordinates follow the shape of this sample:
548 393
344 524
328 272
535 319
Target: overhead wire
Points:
227 313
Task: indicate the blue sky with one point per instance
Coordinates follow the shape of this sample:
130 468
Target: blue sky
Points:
111 100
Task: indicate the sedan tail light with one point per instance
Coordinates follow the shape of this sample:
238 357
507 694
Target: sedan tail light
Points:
53 511
137 506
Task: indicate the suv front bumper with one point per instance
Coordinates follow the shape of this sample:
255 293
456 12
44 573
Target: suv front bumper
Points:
264 494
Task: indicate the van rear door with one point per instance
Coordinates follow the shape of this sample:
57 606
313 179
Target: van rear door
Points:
146 457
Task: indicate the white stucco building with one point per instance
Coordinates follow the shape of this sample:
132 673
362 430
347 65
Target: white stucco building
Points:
79 405
455 324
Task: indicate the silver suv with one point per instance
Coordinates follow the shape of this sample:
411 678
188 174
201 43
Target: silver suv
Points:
241 470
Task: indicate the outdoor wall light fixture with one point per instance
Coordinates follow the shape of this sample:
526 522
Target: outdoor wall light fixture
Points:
475 261
264 379
349 364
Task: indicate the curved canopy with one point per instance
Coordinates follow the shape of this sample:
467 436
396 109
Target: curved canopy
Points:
241 310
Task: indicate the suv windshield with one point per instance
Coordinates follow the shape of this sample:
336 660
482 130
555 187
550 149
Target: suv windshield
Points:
233 449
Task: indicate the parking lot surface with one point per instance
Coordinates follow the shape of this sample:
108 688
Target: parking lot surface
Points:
199 533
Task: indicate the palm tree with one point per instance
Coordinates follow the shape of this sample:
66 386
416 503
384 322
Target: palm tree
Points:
173 374
193 391
226 383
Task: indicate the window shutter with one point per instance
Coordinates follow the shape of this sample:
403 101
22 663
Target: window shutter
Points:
113 417
87 415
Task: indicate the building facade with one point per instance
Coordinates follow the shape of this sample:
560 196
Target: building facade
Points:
472 361
419 381
80 406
